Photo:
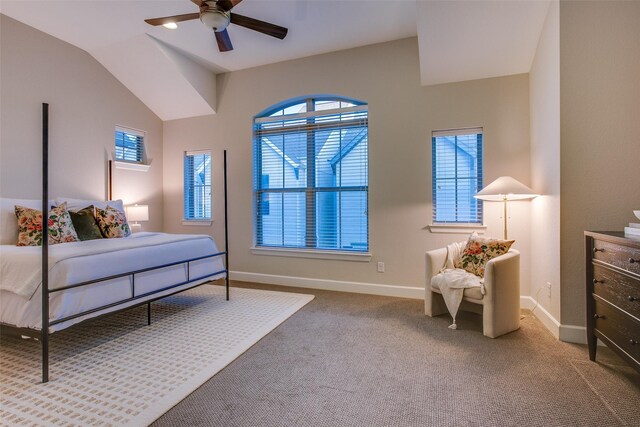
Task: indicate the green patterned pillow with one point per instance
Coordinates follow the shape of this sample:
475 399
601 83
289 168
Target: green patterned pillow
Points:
30 226
479 251
85 224
112 222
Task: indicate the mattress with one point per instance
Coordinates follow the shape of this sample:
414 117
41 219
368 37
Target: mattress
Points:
71 263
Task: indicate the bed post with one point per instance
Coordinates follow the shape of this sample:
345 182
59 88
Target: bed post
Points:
109 180
44 326
226 228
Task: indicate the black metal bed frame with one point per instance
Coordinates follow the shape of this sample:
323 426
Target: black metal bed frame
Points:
43 334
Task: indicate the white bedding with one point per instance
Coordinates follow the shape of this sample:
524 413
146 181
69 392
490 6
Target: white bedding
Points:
71 263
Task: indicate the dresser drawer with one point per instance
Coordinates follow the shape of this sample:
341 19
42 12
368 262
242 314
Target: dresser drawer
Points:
617 255
619 328
620 290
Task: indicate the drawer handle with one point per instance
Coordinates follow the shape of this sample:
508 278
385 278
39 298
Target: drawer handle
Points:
631 261
632 298
633 342
600 316
597 250
596 281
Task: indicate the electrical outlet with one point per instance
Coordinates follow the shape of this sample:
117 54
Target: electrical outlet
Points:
549 289
380 267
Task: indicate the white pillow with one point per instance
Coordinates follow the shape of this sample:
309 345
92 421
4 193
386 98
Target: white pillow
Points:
75 205
8 220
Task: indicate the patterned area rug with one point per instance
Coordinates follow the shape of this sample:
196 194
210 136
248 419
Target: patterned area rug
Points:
118 371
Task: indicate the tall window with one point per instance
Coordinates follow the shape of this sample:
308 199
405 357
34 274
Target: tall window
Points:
197 185
311 175
129 145
457 175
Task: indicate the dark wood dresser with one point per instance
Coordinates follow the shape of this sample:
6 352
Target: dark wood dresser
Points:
613 294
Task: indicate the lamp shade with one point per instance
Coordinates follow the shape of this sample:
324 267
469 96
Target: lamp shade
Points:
505 188
138 213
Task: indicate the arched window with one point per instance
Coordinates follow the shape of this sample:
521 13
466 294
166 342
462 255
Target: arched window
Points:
311 174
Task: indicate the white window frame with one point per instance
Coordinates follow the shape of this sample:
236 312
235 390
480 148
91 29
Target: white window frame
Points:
138 164
197 221
310 252
457 227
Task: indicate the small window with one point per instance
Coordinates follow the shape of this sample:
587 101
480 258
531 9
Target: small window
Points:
197 186
457 176
129 145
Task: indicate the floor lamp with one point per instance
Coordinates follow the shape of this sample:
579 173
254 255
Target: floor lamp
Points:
503 190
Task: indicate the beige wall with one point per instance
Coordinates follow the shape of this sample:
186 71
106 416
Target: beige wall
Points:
86 103
402 115
544 99
600 131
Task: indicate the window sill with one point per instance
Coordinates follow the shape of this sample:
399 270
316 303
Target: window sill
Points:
316 254
197 222
132 166
457 228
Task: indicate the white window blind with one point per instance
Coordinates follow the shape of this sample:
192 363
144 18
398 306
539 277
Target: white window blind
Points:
129 145
457 175
311 175
197 185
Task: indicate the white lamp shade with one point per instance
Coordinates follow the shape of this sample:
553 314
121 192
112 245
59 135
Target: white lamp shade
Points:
506 188
138 213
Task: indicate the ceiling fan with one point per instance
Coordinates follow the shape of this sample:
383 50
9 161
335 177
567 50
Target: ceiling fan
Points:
217 15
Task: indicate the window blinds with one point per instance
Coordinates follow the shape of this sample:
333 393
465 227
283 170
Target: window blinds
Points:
311 177
129 145
457 175
197 185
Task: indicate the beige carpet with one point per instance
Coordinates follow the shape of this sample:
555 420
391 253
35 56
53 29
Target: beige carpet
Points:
352 360
118 371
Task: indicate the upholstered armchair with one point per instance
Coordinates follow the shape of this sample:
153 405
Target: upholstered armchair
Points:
499 306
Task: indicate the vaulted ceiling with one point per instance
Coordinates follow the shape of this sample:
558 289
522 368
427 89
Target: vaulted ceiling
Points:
173 71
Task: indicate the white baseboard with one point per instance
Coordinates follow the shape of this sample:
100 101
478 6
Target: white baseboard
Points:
330 285
542 314
574 334
527 303
568 333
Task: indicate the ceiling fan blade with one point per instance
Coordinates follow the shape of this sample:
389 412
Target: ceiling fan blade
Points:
175 18
224 42
260 26
227 5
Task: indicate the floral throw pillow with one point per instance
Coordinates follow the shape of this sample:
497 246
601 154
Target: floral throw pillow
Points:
479 251
112 222
30 226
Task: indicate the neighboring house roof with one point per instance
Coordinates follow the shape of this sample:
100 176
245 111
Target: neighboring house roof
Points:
461 147
351 138
354 136
292 161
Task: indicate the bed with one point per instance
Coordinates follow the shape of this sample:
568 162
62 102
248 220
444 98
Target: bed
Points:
92 260
47 288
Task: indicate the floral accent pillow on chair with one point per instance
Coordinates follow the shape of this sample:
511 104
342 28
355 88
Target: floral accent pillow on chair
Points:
30 226
112 222
479 251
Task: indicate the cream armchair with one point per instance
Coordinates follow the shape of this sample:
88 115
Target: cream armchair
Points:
499 306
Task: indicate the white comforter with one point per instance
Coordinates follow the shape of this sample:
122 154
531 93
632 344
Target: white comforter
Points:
20 266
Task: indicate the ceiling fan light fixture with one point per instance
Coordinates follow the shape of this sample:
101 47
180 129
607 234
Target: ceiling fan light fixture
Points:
170 25
216 20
